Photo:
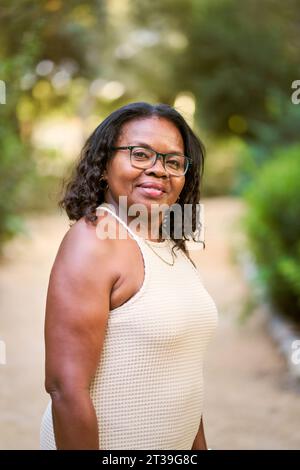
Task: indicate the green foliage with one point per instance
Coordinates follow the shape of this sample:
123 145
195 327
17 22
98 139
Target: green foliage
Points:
272 226
236 59
31 32
239 60
14 166
222 165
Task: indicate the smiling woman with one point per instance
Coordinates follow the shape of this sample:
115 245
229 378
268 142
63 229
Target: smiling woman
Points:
124 351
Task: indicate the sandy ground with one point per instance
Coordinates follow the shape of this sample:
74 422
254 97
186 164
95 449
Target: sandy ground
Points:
250 402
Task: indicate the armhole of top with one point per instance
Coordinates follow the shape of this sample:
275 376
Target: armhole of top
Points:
144 285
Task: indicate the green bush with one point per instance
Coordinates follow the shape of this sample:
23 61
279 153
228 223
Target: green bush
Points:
221 165
272 227
15 166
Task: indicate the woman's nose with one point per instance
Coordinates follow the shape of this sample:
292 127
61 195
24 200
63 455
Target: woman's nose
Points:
158 167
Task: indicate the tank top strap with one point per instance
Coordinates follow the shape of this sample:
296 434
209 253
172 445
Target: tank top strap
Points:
145 257
113 213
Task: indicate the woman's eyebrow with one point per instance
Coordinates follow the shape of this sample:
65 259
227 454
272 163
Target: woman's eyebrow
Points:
144 144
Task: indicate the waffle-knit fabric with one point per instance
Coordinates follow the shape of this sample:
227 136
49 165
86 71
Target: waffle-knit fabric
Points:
148 388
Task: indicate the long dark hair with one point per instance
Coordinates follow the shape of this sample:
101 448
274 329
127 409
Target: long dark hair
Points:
82 193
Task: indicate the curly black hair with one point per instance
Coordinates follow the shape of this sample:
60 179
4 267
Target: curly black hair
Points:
82 193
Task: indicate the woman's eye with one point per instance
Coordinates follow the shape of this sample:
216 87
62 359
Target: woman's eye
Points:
140 155
174 163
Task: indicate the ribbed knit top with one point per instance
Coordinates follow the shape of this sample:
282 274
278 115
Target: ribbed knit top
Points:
148 389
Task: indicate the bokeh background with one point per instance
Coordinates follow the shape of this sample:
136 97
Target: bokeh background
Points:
230 68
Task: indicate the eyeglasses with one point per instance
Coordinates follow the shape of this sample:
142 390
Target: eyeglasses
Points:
143 157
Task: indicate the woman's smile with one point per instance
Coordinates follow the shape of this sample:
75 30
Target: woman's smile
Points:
152 189
151 192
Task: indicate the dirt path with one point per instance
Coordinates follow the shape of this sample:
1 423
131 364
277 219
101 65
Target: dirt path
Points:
249 401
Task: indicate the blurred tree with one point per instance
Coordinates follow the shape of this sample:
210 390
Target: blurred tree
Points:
238 59
43 47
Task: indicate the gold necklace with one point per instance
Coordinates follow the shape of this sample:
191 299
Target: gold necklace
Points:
170 264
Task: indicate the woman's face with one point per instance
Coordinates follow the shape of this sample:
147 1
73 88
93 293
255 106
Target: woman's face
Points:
125 180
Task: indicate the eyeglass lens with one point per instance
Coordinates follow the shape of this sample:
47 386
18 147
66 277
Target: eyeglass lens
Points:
144 158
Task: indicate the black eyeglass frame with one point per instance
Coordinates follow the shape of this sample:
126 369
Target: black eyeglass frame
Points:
164 155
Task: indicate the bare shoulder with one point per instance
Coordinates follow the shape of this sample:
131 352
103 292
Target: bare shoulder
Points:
82 250
81 279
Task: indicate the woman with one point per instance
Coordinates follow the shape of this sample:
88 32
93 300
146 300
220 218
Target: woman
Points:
128 319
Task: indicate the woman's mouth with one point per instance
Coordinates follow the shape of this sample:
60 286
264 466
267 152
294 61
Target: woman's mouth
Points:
152 192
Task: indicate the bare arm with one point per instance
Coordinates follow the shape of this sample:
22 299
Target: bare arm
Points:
77 307
200 442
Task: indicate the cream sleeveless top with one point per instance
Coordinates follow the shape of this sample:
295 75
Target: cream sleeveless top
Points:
148 388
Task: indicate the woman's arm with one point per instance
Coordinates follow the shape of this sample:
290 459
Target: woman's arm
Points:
200 442
77 306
